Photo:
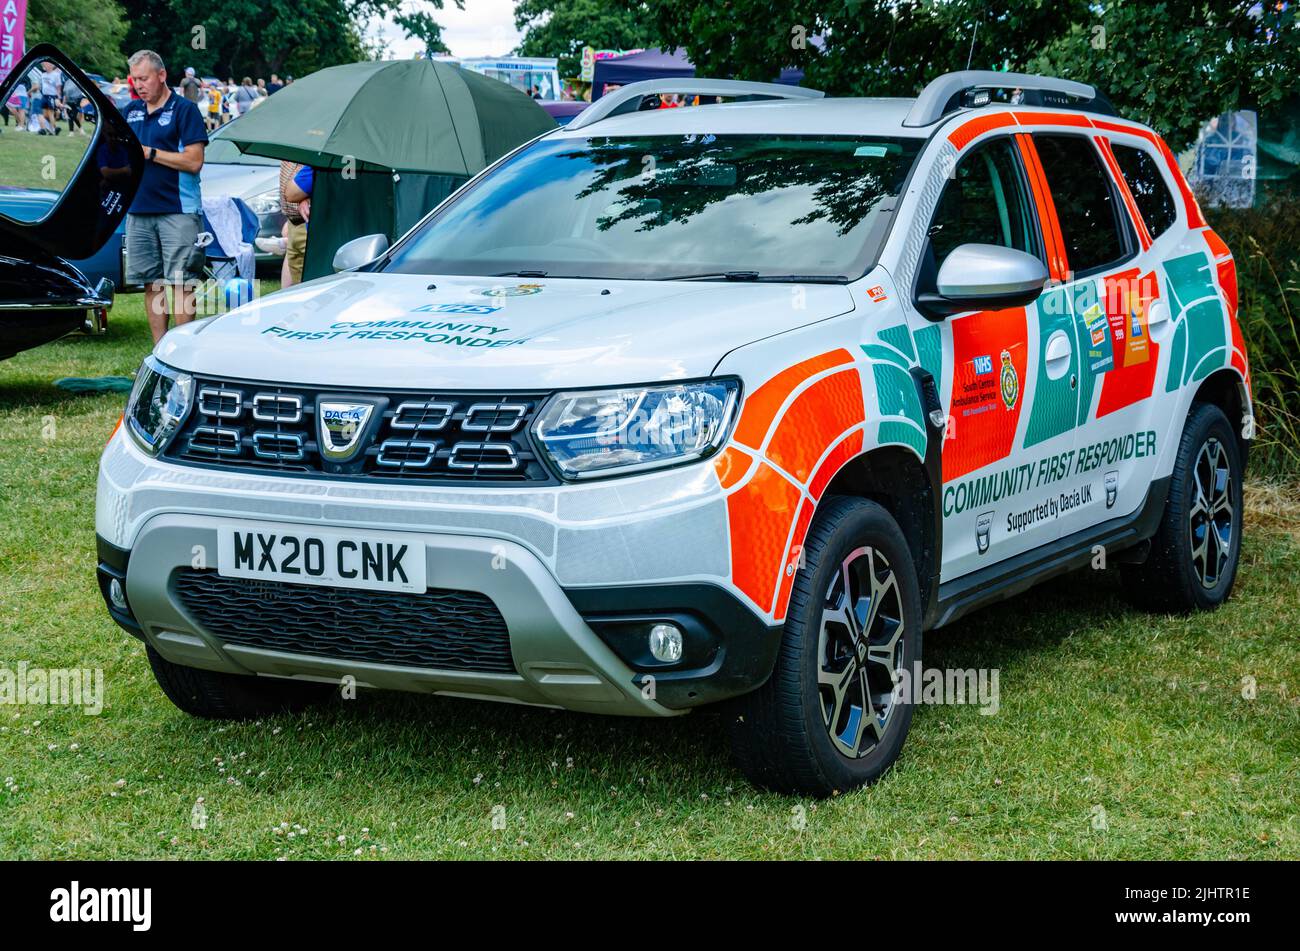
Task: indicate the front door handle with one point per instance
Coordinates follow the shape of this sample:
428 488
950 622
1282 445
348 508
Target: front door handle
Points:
1057 356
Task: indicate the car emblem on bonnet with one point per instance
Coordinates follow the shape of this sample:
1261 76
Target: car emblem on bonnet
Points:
341 426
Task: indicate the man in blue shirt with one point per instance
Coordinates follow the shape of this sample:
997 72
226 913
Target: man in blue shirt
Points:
163 226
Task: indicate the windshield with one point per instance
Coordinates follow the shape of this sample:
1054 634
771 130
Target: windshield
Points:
659 207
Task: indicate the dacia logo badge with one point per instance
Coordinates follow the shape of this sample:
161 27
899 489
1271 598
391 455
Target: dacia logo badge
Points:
341 426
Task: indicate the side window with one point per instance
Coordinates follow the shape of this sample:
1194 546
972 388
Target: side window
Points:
1085 203
1148 186
984 203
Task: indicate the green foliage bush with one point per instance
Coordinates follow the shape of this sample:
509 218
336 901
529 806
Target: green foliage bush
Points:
1264 245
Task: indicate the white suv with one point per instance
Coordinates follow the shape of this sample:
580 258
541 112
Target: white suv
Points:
721 403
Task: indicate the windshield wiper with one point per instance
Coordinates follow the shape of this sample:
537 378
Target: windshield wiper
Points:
715 276
556 277
804 278
755 276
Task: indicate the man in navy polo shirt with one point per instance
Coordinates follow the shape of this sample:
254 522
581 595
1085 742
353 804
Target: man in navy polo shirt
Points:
163 226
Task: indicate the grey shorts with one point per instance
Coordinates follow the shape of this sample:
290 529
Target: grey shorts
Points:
162 248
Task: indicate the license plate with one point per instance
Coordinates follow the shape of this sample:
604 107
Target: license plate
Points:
378 561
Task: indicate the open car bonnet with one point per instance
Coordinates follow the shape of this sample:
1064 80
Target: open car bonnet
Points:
98 193
421 331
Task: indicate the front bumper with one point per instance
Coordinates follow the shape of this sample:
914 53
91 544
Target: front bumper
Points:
575 646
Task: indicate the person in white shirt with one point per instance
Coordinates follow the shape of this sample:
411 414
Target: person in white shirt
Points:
51 88
232 109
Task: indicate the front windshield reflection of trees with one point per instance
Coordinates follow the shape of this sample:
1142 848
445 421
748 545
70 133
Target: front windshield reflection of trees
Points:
659 207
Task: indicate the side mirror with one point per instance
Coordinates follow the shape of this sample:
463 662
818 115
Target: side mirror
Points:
360 251
986 277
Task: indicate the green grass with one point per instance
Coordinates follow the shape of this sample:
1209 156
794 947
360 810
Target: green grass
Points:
1101 708
28 160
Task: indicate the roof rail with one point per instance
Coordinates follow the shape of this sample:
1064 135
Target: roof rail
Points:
936 99
629 97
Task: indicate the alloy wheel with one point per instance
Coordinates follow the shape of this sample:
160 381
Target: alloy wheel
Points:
859 650
1211 517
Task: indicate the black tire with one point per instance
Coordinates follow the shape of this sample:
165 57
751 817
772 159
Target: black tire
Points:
780 736
1173 579
214 695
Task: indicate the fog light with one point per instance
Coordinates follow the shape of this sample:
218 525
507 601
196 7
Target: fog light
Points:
117 595
666 643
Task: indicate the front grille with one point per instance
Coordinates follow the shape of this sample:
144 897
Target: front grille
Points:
436 438
439 629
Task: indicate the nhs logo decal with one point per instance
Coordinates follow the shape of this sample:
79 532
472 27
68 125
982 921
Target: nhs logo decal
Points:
479 309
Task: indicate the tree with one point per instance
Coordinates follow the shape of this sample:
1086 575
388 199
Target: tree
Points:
1170 64
90 32
235 38
420 25
1175 65
561 28
858 47
243 37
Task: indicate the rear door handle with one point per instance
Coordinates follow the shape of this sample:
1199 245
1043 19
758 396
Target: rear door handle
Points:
1158 321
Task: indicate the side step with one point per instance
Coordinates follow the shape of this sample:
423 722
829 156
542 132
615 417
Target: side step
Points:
1018 574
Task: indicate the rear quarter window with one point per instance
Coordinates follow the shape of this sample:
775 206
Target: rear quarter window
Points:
1155 203
1085 203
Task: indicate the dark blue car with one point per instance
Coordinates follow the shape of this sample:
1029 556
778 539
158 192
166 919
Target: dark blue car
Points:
33 204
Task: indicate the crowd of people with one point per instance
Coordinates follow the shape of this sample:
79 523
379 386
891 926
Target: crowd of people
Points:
52 101
219 102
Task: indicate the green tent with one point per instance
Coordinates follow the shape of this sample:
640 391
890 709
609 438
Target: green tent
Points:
389 140
347 207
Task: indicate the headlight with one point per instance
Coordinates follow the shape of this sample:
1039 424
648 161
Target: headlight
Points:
264 203
159 403
606 432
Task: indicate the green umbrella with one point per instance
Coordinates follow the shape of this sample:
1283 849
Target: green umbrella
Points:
406 115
